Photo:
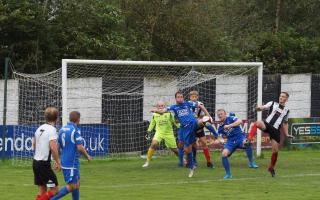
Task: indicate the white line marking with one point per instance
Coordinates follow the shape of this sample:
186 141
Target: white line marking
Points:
176 182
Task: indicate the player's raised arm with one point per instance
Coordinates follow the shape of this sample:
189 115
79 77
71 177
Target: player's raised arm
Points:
236 122
264 107
204 109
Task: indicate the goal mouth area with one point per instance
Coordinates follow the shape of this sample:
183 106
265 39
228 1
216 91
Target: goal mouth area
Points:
115 97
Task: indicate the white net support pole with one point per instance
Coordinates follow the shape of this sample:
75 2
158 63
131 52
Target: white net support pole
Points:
259 102
64 86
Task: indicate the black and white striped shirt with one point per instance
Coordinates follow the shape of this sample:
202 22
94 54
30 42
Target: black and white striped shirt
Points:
277 114
198 113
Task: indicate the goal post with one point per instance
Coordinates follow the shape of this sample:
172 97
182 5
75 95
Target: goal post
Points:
259 102
115 98
224 69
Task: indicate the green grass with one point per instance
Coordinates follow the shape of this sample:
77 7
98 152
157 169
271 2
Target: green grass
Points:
298 177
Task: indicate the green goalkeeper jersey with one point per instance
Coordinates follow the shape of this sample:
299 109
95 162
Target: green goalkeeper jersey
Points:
163 123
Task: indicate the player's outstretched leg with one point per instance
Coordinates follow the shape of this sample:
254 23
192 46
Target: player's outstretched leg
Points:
209 126
72 187
62 192
274 158
253 131
150 153
254 127
225 163
207 122
249 152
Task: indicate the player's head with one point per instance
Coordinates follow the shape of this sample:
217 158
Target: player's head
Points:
179 97
161 105
222 114
283 98
194 95
74 117
51 114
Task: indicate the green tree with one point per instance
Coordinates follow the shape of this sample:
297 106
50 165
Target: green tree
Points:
284 35
38 34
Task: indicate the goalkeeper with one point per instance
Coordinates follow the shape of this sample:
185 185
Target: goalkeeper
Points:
163 123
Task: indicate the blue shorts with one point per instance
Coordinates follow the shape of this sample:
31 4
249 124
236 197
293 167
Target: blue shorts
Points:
188 133
234 143
71 175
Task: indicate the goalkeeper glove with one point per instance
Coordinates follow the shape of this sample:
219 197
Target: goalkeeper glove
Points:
148 136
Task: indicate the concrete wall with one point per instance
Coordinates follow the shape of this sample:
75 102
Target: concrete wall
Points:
299 88
12 103
155 90
232 94
85 96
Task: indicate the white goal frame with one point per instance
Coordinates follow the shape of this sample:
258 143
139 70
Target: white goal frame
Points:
64 85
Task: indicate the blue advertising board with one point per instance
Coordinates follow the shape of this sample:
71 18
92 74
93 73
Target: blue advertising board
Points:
18 140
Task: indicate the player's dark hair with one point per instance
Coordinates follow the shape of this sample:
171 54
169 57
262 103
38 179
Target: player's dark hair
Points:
74 116
51 114
176 94
286 93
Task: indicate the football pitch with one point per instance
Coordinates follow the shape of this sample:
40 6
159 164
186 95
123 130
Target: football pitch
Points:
298 177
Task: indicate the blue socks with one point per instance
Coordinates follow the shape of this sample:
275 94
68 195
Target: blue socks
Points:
76 194
211 129
180 156
226 166
62 192
249 153
190 160
194 154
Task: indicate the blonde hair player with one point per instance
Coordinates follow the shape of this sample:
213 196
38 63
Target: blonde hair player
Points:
277 118
163 124
236 139
45 145
200 134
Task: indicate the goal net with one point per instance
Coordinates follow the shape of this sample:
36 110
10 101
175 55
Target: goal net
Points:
115 98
